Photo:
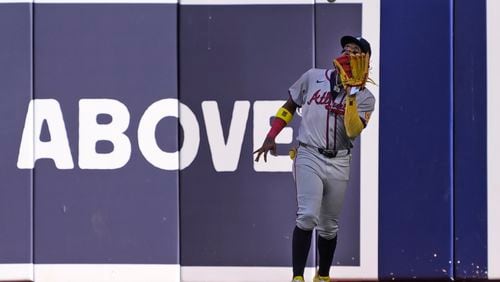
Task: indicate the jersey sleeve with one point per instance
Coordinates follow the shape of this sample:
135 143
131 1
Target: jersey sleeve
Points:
298 91
366 105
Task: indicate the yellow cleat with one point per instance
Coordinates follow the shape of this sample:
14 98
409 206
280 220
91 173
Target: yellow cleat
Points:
298 279
318 278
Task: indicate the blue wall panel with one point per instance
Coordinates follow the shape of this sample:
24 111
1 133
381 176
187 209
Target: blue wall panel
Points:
415 227
15 94
230 53
124 52
470 139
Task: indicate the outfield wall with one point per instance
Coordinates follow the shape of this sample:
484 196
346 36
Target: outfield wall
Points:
127 132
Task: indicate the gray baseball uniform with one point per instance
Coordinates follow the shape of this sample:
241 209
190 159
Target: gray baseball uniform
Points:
321 178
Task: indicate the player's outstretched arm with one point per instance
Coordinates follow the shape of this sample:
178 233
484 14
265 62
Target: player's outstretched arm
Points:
282 118
352 121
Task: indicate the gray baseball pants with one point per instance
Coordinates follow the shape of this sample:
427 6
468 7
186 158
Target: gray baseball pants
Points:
321 183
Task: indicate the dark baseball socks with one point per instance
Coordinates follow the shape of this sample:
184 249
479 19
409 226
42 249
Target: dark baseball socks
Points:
301 243
326 249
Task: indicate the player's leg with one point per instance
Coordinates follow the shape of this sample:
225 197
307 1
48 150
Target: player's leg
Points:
309 196
333 200
326 250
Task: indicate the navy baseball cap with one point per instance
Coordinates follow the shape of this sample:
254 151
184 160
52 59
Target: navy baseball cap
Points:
360 41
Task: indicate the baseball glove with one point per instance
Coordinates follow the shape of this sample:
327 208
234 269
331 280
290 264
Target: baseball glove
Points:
353 69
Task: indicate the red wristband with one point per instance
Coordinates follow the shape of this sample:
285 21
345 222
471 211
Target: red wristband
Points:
276 126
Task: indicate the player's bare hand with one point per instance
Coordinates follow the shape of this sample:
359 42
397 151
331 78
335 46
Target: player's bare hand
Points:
268 145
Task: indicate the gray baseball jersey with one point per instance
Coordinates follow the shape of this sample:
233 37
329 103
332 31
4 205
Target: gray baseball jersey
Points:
322 122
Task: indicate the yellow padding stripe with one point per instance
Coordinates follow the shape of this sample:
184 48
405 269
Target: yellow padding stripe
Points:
284 114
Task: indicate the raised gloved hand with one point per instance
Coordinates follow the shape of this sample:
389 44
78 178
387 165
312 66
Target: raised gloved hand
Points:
353 69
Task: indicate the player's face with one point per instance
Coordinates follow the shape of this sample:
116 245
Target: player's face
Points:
351 49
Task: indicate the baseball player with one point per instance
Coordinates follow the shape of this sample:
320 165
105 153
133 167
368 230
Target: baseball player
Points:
335 109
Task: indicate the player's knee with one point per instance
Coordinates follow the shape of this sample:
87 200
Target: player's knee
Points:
328 234
329 230
307 221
